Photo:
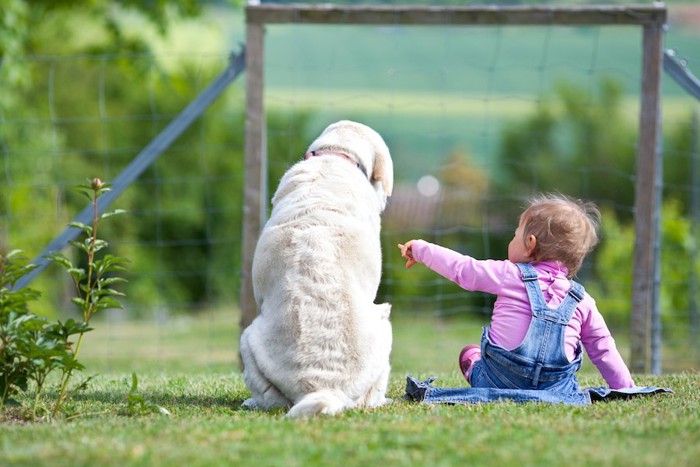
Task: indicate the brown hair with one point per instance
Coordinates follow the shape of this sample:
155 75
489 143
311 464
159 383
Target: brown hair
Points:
566 229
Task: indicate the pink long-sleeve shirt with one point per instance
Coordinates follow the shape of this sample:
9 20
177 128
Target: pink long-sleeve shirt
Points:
511 313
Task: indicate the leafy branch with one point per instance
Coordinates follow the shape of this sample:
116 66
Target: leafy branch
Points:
94 287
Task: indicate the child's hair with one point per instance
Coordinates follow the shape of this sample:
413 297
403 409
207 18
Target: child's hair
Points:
566 229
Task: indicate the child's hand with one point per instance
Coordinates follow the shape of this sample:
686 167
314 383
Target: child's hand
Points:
407 253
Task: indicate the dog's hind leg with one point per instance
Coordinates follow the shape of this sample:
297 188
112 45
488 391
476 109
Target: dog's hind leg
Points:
376 395
380 368
268 399
265 394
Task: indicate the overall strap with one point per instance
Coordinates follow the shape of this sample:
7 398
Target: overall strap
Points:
563 313
528 271
568 305
534 293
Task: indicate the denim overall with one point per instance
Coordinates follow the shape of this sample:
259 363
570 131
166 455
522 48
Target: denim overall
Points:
537 370
540 361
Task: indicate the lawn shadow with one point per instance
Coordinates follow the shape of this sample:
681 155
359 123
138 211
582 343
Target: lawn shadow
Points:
162 398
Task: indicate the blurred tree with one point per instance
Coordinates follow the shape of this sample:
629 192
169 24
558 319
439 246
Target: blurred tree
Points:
576 142
465 188
89 111
613 269
681 164
33 27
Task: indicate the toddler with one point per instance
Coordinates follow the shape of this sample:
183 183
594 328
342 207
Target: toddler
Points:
541 316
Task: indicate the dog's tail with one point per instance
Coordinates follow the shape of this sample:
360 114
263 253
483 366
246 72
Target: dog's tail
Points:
323 401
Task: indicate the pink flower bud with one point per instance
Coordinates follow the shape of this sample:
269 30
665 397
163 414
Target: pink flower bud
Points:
97 184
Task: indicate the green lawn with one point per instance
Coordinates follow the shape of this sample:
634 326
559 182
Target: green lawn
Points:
189 367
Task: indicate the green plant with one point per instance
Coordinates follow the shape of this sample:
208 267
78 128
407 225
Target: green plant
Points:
17 327
137 404
94 287
30 348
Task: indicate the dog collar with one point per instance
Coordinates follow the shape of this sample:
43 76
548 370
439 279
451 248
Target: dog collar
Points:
311 154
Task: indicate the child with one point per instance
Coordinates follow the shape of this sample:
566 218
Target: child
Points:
541 316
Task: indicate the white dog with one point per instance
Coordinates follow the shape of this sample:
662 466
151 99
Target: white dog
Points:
320 344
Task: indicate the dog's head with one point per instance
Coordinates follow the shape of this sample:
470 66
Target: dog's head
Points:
364 146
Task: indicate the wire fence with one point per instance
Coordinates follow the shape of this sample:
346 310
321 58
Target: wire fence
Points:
473 131
573 141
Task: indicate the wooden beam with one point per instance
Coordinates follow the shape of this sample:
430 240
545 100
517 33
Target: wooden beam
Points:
647 200
255 192
457 15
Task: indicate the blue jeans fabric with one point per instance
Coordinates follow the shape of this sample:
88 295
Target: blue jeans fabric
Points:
425 392
540 361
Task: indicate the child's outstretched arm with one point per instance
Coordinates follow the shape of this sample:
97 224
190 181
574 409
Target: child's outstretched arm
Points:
407 253
463 270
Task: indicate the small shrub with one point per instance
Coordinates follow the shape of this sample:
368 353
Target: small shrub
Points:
30 348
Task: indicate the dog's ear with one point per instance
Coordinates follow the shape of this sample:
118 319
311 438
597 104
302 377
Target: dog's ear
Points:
383 171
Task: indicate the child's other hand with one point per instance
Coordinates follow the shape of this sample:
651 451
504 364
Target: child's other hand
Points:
407 253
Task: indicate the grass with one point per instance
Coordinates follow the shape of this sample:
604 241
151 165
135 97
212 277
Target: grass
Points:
189 366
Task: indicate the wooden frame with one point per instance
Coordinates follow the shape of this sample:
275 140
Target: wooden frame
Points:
648 187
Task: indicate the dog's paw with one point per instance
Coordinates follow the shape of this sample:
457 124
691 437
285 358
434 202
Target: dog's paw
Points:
251 404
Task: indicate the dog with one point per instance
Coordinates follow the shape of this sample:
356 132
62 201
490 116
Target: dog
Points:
320 344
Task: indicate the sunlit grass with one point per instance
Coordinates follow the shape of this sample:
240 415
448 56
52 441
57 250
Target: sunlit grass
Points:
435 104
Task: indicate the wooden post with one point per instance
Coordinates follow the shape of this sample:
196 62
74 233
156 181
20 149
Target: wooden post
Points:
255 193
647 200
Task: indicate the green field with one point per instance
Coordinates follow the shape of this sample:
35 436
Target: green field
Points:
189 367
431 91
